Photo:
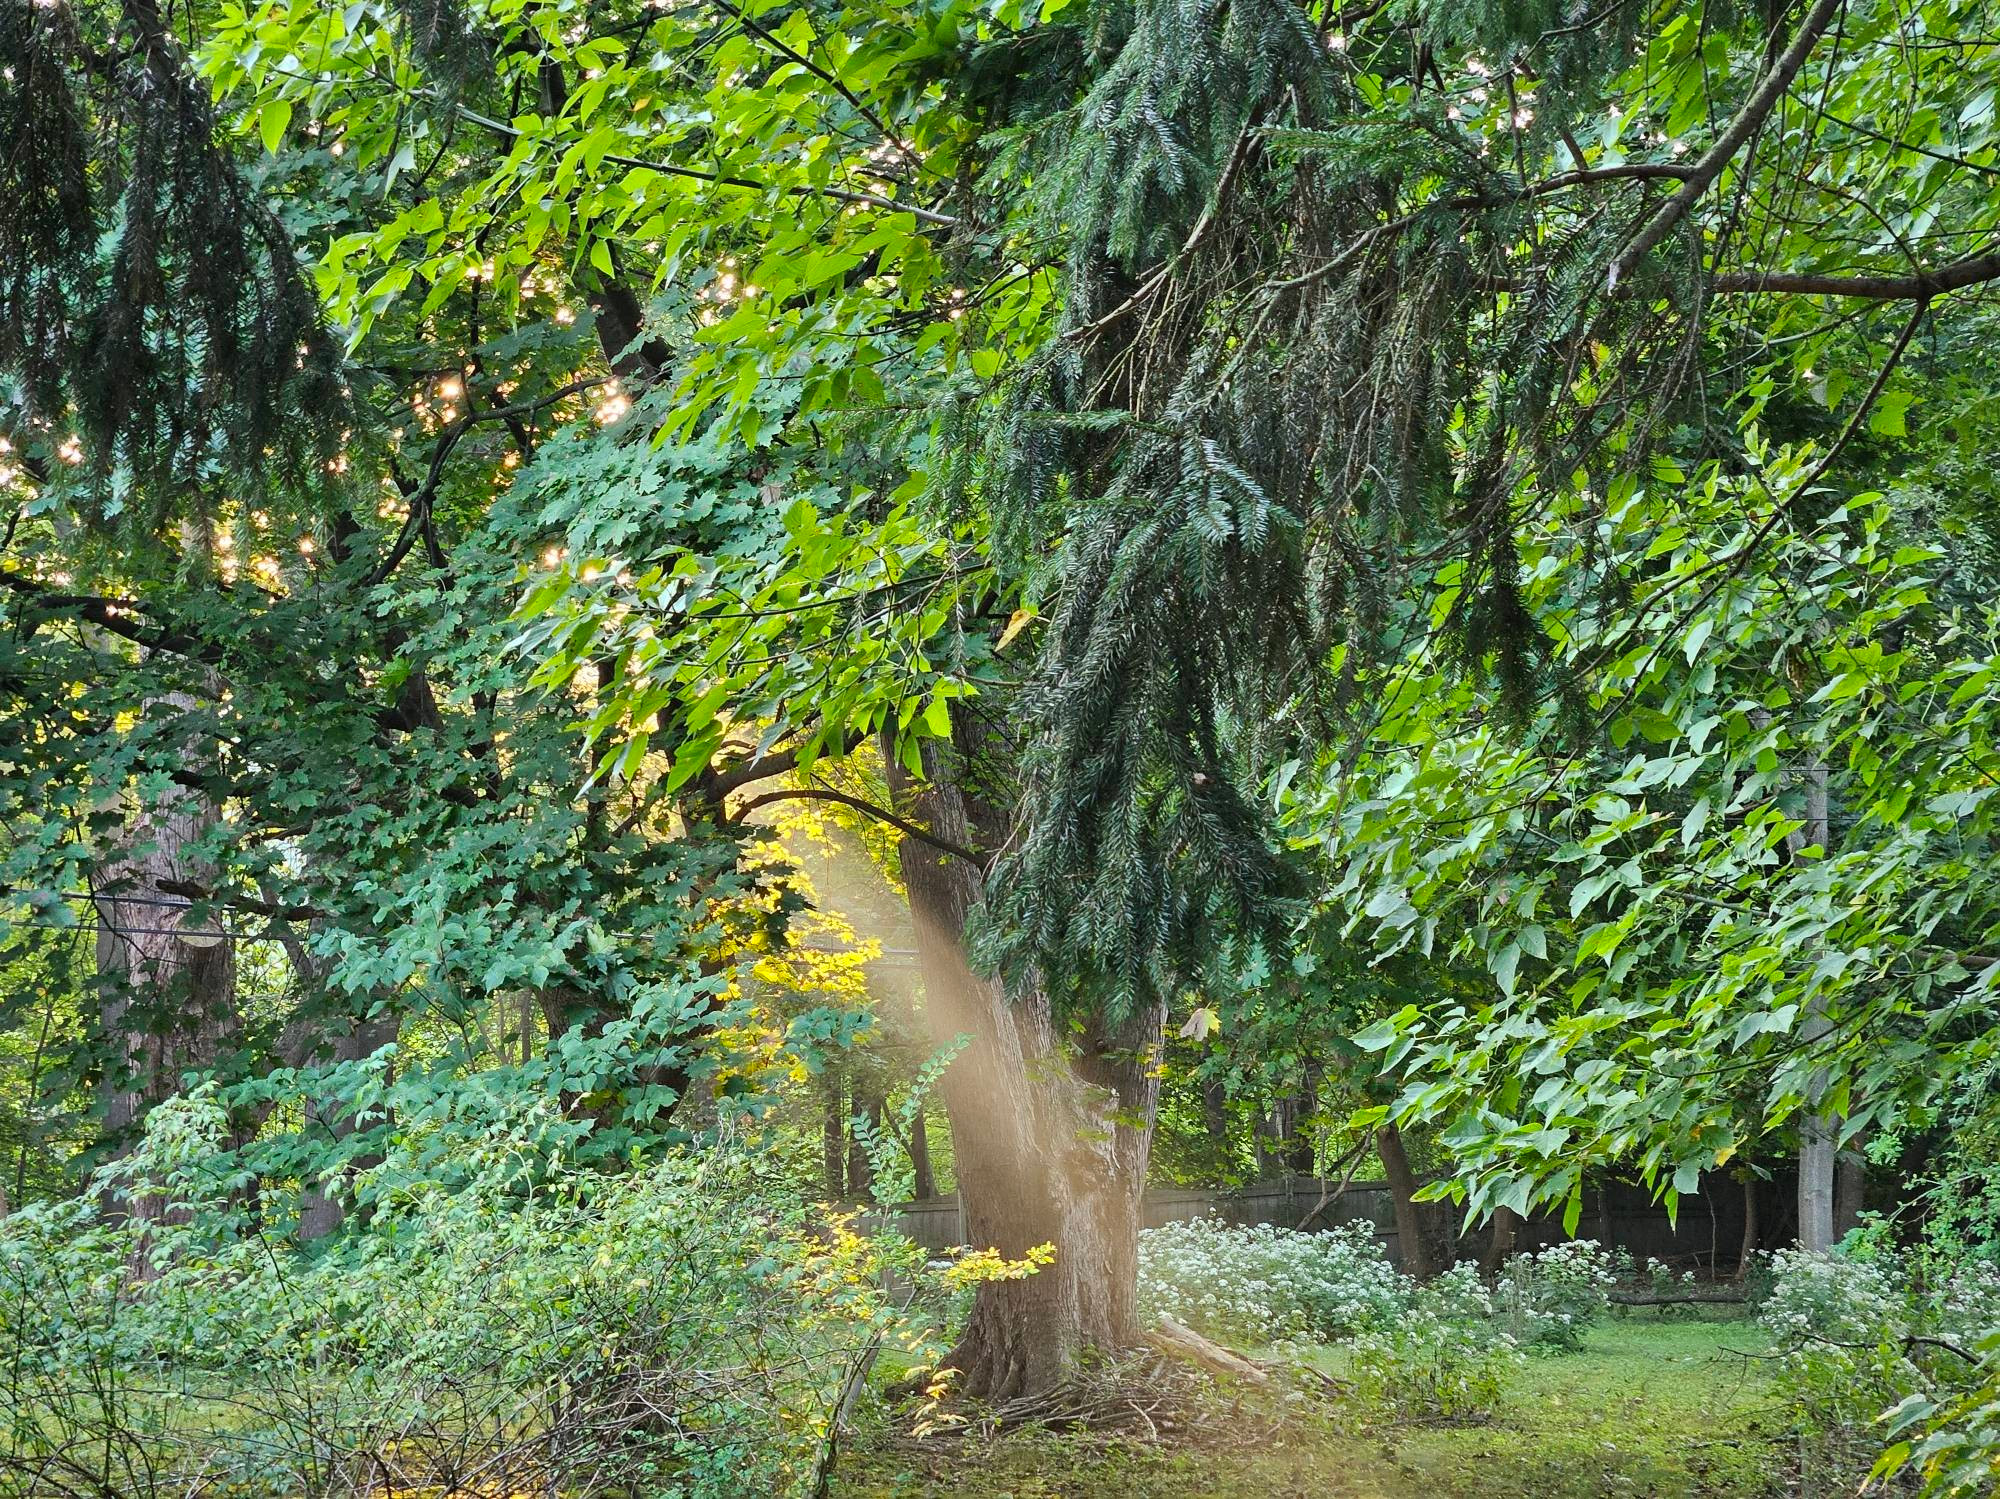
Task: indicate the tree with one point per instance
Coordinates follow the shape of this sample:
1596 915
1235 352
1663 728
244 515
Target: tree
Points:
235 610
1395 304
1262 356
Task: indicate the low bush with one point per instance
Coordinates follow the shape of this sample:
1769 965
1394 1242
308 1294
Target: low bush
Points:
1268 1285
1550 1298
1873 1340
668 1331
1434 1352
1444 1359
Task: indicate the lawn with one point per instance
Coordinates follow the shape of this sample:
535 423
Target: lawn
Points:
1648 1407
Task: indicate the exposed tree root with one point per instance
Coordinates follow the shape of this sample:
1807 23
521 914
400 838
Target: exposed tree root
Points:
1178 1388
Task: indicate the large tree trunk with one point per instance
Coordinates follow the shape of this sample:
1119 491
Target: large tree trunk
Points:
1048 1148
321 1210
166 980
1415 1249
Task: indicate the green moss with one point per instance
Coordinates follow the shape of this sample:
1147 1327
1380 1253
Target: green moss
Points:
1645 1408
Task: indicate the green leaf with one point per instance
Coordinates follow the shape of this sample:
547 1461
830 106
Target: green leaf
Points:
1381 1035
1889 416
272 121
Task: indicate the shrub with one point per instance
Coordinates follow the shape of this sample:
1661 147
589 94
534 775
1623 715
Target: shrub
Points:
1444 1359
668 1331
1268 1285
1549 1299
1432 1353
1869 1342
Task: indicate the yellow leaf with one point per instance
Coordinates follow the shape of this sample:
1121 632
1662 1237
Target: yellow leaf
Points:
1722 1156
1015 625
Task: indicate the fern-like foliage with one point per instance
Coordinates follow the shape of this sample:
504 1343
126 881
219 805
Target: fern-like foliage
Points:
152 303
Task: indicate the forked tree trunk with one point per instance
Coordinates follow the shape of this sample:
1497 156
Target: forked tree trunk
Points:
1416 1250
1048 1148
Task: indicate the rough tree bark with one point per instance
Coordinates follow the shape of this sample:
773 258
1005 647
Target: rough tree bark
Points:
166 981
1049 1146
1416 1249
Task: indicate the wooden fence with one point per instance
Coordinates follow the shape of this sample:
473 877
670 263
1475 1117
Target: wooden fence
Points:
1708 1233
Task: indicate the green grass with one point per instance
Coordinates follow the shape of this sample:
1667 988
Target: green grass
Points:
1646 1408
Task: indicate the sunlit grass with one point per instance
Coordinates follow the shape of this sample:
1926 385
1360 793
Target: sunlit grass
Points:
1646 1407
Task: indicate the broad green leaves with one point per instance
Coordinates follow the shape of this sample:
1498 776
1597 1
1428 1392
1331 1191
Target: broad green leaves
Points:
1652 909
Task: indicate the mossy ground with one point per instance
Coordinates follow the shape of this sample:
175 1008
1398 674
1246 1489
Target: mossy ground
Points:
1646 1408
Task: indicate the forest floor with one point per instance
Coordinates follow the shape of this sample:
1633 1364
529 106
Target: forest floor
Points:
1672 1409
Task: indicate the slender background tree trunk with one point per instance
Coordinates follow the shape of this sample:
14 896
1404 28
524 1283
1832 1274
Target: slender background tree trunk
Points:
1752 1234
924 1181
322 1208
833 1144
1500 1248
1415 1248
1818 1127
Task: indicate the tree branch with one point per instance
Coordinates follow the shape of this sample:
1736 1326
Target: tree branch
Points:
1763 99
115 616
720 179
740 773
1920 287
189 890
880 814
